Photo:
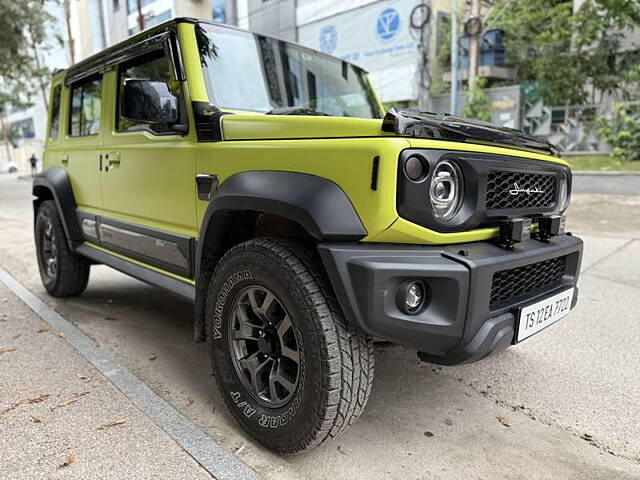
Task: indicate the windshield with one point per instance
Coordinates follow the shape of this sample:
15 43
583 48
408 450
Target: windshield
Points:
245 71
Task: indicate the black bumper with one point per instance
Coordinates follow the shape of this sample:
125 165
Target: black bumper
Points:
461 323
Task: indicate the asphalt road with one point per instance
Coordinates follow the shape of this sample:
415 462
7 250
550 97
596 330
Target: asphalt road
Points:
571 394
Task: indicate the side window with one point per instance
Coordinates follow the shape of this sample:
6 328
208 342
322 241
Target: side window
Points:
154 67
85 107
54 122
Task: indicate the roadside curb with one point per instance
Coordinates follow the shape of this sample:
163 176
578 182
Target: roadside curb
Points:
595 173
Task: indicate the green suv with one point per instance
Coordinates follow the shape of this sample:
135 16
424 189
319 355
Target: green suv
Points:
263 181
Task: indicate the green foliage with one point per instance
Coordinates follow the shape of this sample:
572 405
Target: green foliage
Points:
23 27
478 102
565 52
622 132
443 55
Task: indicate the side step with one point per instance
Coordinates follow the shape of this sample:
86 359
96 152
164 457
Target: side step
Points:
172 285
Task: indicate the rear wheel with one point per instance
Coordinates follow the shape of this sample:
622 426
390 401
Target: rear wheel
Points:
63 273
291 370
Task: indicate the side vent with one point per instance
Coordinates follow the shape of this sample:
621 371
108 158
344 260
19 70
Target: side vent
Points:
208 126
374 173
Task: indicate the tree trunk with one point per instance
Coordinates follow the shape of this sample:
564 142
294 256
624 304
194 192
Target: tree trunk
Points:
41 84
5 135
67 14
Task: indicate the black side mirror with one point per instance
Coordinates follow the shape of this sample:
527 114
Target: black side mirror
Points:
149 102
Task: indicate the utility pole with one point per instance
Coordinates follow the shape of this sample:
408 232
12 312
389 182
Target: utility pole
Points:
454 57
474 44
140 17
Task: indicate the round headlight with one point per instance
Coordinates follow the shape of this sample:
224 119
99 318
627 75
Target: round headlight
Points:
445 191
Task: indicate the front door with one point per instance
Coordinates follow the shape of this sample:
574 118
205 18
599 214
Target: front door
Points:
148 177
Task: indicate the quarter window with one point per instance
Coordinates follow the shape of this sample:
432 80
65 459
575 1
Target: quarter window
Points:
54 124
85 107
154 67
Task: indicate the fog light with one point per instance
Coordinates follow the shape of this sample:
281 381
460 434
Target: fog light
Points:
412 297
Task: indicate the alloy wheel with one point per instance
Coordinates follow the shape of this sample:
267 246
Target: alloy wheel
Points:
264 347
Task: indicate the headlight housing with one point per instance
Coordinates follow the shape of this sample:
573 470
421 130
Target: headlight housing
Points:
446 190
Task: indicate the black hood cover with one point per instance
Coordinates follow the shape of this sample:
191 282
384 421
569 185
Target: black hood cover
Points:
446 127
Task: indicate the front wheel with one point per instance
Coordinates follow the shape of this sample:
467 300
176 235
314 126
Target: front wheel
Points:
291 370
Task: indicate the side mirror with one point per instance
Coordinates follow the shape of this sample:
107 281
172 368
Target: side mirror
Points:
149 102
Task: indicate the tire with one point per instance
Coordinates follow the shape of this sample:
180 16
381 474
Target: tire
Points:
63 273
329 386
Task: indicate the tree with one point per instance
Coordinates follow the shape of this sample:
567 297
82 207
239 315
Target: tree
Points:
572 56
478 102
23 27
621 130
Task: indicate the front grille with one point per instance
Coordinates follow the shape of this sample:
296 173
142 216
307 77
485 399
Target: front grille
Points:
515 282
520 190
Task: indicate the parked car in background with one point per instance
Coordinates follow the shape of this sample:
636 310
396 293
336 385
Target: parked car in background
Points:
8 167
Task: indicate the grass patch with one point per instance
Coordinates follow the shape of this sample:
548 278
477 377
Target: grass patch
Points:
602 163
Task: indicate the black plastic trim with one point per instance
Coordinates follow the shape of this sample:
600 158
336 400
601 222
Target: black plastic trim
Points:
182 242
458 325
172 285
124 51
208 121
413 204
446 127
56 180
320 206
374 173
206 185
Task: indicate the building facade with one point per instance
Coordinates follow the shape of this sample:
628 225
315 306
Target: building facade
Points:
27 126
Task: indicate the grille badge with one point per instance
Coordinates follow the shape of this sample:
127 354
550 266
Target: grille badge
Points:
516 190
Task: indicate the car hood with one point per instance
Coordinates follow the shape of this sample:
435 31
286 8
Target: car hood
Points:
420 125
279 127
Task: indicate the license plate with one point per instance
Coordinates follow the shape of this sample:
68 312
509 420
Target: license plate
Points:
534 318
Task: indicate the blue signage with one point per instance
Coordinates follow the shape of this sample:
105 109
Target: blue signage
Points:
388 24
328 39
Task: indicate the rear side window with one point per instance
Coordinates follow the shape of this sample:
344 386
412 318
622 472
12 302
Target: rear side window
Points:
54 124
85 107
154 67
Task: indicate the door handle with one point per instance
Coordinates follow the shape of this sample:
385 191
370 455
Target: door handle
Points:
64 159
112 160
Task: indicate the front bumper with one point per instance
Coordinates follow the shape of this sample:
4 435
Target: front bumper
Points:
460 324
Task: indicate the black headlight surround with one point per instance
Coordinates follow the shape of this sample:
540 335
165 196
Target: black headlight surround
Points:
413 203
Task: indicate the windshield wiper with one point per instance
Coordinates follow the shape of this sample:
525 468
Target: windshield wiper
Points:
296 111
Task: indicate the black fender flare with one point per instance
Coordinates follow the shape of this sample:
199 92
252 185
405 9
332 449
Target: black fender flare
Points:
320 206
54 183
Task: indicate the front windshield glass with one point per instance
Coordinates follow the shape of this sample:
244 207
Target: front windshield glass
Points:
246 71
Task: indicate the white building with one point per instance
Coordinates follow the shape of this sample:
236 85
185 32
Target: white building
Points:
382 36
29 125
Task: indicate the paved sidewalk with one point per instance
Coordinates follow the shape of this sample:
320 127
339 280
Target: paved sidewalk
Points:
55 416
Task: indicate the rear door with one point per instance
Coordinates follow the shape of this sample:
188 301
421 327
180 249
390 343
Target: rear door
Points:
81 149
